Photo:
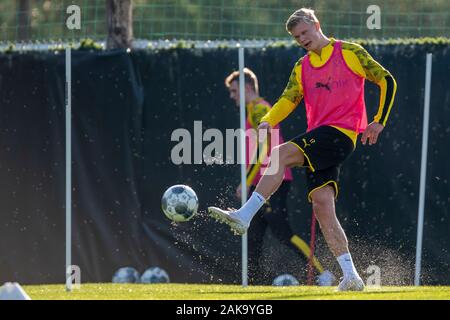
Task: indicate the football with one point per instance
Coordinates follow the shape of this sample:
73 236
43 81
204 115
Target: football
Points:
285 280
179 203
126 275
155 275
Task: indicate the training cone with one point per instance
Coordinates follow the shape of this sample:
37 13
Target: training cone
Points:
13 291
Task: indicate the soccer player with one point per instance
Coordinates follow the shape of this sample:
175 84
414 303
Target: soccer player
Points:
274 214
330 78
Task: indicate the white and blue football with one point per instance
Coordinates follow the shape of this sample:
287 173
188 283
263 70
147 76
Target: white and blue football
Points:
126 275
155 275
285 280
179 203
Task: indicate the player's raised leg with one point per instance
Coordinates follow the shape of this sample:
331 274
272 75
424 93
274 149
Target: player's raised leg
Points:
282 156
324 209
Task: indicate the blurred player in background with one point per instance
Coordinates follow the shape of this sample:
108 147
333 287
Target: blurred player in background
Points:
273 214
330 77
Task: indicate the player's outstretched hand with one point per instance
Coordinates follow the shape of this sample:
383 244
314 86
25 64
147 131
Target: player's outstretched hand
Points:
264 126
371 133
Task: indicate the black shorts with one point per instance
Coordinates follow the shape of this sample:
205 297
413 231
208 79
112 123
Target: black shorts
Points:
325 149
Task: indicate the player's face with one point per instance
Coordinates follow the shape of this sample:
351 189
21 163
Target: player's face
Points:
307 35
234 92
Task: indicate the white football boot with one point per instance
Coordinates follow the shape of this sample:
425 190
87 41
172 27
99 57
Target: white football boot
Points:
237 225
352 283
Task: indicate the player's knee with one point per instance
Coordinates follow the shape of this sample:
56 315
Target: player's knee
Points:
323 199
288 154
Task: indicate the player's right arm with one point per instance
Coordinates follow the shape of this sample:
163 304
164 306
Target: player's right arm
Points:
290 98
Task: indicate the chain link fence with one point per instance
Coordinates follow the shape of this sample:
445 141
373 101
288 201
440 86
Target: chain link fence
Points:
45 20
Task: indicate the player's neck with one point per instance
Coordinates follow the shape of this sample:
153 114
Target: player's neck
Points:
324 41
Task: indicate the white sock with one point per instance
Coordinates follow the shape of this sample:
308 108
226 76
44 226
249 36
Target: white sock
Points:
251 207
347 266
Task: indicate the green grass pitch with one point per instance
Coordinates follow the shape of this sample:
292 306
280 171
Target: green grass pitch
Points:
109 291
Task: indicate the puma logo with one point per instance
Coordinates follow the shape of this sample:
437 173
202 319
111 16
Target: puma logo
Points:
306 144
322 85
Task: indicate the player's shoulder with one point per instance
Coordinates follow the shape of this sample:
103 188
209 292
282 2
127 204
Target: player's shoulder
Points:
298 64
259 110
262 105
300 60
354 47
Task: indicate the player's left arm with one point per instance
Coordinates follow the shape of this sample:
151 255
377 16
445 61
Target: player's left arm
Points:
373 71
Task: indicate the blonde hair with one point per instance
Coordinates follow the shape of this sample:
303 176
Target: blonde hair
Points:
249 76
301 15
